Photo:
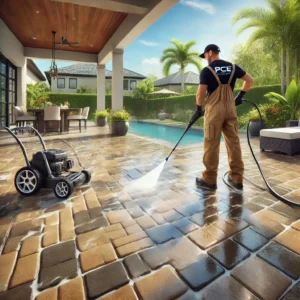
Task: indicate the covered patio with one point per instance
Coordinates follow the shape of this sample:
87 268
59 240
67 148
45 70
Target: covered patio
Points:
172 241
102 29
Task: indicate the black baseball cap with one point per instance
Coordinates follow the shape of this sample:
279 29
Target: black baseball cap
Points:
209 47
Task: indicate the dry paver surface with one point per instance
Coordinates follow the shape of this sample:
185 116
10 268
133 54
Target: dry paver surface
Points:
171 241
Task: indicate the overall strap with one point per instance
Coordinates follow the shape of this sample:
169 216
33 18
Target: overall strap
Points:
232 73
215 74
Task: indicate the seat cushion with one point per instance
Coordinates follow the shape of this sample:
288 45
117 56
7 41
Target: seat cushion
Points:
76 117
286 133
26 118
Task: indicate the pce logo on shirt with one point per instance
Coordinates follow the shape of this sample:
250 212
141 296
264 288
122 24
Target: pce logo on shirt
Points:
224 69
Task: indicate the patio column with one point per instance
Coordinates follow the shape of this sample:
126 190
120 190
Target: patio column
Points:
100 87
21 84
117 80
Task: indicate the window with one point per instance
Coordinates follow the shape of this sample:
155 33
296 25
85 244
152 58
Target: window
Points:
60 83
132 84
73 83
125 85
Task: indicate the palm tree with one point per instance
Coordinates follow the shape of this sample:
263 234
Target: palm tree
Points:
182 56
276 24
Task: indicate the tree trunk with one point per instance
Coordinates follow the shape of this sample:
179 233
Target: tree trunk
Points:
283 71
287 69
182 80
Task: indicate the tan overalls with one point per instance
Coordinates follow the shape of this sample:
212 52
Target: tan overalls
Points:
220 116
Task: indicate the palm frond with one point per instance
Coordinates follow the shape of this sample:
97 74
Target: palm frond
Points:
167 66
260 33
195 62
260 14
188 45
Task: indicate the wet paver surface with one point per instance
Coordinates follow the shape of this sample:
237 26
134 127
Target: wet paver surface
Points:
171 241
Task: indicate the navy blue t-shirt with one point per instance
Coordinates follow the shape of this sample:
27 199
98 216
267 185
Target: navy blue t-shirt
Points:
223 69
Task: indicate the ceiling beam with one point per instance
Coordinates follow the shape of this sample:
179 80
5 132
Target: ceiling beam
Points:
38 53
133 26
124 6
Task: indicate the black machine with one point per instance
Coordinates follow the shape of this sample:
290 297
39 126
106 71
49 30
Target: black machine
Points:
49 168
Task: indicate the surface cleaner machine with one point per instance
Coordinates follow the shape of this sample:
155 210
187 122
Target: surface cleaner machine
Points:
48 168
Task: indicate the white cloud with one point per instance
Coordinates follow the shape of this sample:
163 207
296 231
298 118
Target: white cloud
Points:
200 5
151 61
149 44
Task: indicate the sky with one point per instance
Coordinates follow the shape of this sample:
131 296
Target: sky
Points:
206 22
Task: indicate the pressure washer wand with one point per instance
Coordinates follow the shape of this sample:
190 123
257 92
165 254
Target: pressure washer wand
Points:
186 130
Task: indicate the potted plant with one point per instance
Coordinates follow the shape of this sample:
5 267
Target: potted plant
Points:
255 124
119 124
101 117
289 104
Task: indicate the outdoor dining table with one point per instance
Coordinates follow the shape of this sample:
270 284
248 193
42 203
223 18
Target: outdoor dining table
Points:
64 113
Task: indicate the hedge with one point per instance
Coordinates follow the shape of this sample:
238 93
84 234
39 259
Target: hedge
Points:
144 108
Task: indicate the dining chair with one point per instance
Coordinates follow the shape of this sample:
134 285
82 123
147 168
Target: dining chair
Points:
21 117
52 114
80 117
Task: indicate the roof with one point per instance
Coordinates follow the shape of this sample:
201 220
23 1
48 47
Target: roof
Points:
89 70
175 79
35 70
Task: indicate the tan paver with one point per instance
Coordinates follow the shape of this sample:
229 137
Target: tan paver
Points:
72 290
296 225
51 235
134 247
49 294
125 293
7 263
92 239
145 222
167 285
129 239
52 220
26 270
118 216
66 228
97 257
30 245
91 199
290 239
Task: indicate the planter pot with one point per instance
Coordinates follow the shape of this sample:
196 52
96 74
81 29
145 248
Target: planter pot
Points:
162 116
292 123
255 127
119 128
101 121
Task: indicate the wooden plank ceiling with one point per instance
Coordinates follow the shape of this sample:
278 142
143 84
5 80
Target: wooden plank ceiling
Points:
32 22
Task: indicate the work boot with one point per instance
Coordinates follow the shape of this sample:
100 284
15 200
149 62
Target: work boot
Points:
238 186
201 183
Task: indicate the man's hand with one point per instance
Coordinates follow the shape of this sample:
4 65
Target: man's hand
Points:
239 98
198 113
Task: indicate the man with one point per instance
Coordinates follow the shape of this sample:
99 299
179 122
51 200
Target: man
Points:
218 80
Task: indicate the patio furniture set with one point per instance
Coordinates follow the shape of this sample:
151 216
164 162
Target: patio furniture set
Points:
285 140
52 118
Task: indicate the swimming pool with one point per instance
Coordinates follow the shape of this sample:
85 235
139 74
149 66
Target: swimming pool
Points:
164 132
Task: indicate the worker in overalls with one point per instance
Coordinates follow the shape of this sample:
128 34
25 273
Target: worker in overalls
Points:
217 80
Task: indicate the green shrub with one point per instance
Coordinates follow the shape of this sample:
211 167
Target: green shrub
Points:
101 114
120 116
145 109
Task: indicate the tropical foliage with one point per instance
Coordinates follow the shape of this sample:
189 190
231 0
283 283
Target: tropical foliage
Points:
290 104
36 94
144 88
180 55
279 24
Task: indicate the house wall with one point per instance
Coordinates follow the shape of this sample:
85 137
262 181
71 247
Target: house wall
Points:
89 82
31 78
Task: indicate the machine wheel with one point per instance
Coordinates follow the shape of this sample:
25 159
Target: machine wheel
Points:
28 181
63 189
88 176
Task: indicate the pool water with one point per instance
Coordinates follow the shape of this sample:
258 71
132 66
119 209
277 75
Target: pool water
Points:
167 133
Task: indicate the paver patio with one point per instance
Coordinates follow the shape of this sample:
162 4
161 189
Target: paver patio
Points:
174 241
